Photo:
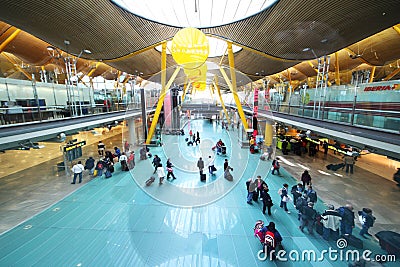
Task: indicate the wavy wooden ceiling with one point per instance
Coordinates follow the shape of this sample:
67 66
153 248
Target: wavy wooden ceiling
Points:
274 39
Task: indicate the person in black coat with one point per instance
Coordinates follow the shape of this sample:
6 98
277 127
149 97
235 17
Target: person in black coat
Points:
266 199
89 165
170 171
367 221
308 215
347 222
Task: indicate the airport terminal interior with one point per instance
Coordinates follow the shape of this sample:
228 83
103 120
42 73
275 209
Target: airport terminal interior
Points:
254 88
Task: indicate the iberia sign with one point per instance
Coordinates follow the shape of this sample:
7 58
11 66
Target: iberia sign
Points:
382 88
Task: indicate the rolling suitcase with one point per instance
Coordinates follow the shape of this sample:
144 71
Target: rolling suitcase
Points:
228 176
203 177
353 241
150 181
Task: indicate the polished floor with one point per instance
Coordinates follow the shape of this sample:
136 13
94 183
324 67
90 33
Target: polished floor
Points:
46 221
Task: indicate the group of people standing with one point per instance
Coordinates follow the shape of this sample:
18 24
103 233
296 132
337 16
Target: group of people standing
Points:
258 189
106 162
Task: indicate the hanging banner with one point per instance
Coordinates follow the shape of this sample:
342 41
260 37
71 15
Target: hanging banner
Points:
255 102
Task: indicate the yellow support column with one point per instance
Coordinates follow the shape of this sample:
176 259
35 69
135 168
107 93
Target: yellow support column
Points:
93 69
371 77
268 134
391 75
337 73
15 63
9 39
220 99
233 85
160 104
162 94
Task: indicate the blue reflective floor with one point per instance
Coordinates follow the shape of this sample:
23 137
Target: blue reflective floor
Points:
114 222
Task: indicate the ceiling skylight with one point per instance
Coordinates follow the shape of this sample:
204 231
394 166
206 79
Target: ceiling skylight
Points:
194 13
217 47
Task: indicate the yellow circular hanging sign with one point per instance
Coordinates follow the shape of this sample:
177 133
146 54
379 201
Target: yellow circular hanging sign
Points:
190 47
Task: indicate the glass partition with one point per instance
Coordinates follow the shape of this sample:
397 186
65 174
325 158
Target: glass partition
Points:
375 105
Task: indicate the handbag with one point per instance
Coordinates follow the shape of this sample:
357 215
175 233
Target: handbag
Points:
169 169
285 199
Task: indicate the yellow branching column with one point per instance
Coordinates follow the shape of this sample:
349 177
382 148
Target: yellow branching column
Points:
371 77
269 133
162 94
337 70
11 37
220 99
233 86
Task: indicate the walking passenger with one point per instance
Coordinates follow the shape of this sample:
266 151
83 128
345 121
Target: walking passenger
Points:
297 191
367 221
331 223
211 167
200 165
77 169
100 148
276 166
301 203
283 192
349 163
143 153
266 199
311 194
251 189
160 173
131 160
89 165
170 171
347 222
306 178
308 215
156 162
123 159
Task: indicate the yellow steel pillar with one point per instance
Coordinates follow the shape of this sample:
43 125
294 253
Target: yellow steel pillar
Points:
337 73
93 69
233 85
269 133
15 63
160 104
220 99
162 94
290 80
9 39
391 75
371 77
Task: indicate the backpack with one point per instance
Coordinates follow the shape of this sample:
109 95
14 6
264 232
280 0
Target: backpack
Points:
341 211
269 239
